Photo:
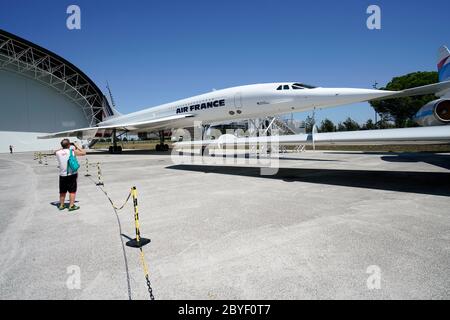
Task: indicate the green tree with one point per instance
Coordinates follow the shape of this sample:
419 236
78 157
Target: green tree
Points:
409 123
402 110
369 125
384 123
309 124
327 126
350 125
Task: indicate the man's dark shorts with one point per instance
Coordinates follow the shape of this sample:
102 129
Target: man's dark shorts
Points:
68 184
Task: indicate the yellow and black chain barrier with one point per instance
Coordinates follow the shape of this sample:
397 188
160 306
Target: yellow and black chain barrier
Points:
87 168
138 242
42 158
121 207
99 175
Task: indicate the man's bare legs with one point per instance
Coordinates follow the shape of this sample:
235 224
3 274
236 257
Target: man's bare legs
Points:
62 199
72 199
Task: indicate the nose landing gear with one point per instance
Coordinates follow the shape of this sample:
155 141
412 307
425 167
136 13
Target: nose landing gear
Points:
161 146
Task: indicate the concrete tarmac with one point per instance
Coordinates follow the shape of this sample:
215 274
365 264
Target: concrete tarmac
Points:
327 225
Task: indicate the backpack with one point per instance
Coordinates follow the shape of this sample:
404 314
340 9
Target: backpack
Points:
72 163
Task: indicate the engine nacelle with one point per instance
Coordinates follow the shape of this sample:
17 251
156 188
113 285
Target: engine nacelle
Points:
434 113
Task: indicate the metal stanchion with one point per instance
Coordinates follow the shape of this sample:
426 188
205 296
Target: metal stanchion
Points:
138 242
87 168
99 173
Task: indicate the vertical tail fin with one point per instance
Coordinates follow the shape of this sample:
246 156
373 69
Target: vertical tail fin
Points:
444 64
112 109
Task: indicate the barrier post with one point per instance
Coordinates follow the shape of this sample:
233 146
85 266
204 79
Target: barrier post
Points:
138 242
87 168
40 158
99 172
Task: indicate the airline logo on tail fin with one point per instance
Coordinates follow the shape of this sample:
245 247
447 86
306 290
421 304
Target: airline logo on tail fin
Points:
444 64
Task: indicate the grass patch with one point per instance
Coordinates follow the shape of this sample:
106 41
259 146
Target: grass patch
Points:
150 145
386 148
131 145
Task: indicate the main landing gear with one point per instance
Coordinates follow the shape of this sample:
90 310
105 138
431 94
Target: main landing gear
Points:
114 149
161 146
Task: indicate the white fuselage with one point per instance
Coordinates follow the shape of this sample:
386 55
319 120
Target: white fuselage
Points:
246 102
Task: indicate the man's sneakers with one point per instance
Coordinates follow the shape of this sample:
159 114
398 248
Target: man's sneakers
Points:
73 208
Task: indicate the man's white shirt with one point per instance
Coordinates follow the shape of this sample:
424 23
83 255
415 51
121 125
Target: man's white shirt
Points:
63 156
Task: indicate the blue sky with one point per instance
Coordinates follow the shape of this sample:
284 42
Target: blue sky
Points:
153 52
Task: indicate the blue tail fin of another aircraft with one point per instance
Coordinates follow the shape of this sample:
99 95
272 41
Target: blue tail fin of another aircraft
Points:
444 64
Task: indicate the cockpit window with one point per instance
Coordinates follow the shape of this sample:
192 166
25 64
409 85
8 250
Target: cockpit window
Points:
295 86
302 86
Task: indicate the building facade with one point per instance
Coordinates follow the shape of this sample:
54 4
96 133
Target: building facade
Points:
41 93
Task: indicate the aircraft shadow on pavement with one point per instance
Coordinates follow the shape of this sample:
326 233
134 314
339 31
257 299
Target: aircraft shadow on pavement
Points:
310 159
439 160
374 153
432 183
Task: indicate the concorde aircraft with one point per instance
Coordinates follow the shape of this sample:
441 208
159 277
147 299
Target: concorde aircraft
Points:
270 99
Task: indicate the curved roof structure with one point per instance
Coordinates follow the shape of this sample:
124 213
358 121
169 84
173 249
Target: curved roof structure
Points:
24 57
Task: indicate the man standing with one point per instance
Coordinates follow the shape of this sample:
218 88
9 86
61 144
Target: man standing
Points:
10 149
67 178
